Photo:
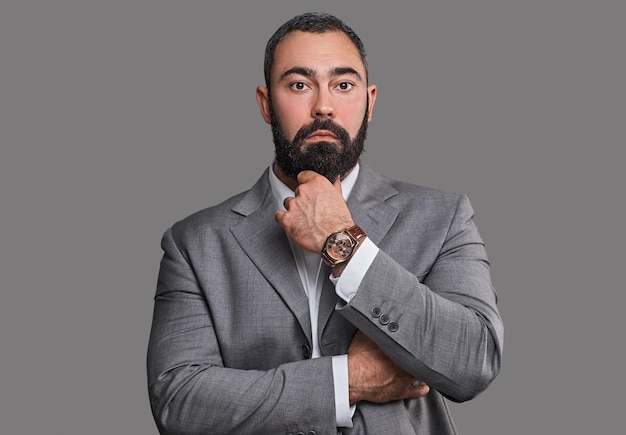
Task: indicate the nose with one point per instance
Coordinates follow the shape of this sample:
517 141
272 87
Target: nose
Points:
323 107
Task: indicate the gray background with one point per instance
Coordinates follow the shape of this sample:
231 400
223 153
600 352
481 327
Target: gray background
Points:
120 117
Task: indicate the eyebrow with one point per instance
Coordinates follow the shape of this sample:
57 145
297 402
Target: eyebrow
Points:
308 72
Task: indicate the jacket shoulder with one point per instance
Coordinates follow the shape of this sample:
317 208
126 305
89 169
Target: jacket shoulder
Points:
425 197
225 214
402 192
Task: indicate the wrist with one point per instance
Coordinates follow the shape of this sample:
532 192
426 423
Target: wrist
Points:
355 394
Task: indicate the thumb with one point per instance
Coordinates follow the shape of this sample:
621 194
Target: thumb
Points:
337 184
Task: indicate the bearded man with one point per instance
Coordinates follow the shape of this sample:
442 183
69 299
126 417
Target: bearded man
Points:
327 298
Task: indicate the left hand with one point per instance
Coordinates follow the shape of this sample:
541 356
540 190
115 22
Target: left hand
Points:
317 210
374 377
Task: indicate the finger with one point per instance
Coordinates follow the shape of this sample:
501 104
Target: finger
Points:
286 202
306 175
337 184
420 389
279 215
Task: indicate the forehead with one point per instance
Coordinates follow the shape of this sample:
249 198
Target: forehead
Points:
320 52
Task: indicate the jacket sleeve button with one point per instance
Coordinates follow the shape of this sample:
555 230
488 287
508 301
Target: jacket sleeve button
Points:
375 312
393 327
384 319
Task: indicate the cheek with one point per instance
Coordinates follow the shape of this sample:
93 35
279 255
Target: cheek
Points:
354 118
291 118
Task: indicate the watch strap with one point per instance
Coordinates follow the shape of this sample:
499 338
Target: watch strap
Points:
356 233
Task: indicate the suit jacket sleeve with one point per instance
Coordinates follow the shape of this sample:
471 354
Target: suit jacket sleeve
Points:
438 321
192 392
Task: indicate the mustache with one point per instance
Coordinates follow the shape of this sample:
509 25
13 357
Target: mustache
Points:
322 124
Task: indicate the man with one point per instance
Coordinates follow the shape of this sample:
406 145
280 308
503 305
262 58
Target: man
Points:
327 298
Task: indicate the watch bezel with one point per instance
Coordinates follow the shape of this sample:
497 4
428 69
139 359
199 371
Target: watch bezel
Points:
327 255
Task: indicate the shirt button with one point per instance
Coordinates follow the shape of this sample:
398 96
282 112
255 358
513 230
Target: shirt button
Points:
375 312
384 319
306 352
393 327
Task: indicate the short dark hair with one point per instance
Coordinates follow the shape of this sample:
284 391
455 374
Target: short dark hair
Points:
313 22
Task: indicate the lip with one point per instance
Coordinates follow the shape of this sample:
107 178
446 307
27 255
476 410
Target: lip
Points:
321 135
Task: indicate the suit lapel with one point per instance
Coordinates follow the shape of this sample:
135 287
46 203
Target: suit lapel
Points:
369 206
266 244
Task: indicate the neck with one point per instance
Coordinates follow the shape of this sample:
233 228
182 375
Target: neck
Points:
289 182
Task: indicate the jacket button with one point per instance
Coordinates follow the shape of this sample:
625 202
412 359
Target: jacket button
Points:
393 327
384 319
375 312
312 432
306 351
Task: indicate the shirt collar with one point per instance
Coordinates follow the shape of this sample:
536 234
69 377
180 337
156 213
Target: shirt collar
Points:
281 191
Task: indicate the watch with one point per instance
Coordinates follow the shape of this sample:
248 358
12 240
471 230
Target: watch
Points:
341 245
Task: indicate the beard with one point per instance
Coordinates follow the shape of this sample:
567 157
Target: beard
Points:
328 159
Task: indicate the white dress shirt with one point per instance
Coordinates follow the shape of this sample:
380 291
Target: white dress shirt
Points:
312 271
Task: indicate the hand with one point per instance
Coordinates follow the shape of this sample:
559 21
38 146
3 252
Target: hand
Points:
317 210
374 377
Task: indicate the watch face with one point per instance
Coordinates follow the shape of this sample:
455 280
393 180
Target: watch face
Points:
339 246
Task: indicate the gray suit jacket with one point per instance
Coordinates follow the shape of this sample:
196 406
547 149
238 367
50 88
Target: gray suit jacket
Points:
229 350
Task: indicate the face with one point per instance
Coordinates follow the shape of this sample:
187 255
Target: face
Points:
318 104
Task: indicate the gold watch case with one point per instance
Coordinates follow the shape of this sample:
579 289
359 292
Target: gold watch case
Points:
341 245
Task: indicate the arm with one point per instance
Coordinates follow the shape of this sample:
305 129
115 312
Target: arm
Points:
444 330
192 391
449 332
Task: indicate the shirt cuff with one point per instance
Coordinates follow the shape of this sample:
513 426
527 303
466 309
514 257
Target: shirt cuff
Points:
343 410
348 283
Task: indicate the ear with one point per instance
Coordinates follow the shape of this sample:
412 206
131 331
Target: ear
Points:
262 97
371 92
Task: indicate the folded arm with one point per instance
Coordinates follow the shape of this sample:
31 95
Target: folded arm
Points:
446 329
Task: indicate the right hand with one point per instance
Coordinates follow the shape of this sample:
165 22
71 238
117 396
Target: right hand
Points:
374 377
316 210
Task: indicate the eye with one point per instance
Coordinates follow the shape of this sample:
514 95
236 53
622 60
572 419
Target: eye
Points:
345 86
298 86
